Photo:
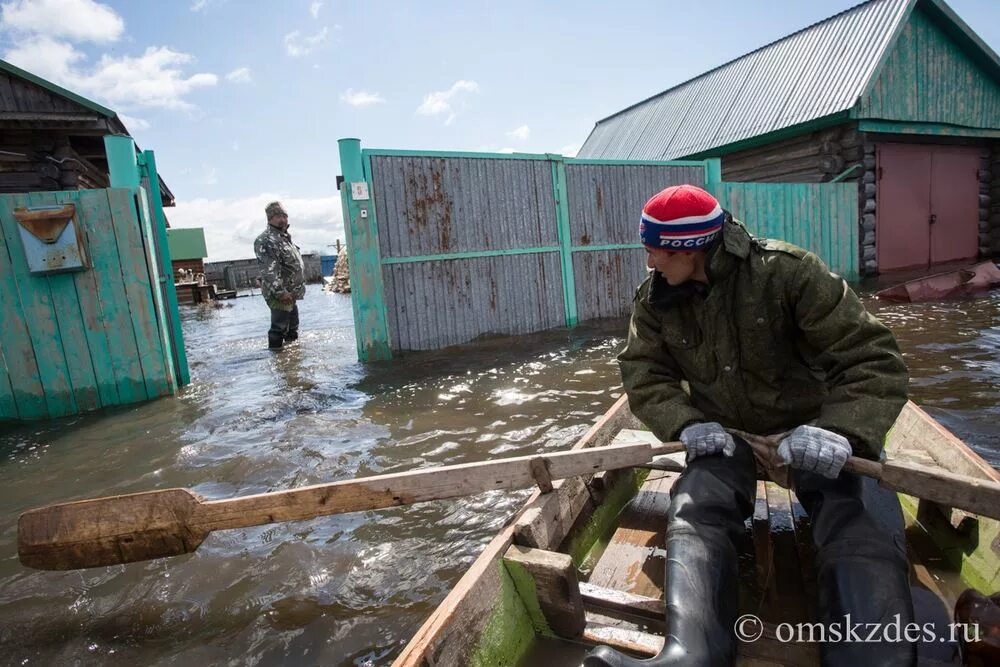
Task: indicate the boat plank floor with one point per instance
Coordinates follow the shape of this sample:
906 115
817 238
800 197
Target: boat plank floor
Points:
634 559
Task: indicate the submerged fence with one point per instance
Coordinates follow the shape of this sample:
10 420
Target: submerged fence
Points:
446 247
87 320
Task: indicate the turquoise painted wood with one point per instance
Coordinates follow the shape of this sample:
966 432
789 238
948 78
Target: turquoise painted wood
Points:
112 300
82 340
69 322
365 267
156 285
92 317
132 253
929 78
21 391
822 218
178 350
565 240
39 317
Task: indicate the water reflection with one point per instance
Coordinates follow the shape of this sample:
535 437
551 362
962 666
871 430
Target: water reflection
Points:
349 589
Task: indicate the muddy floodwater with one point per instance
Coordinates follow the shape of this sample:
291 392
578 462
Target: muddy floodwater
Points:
348 589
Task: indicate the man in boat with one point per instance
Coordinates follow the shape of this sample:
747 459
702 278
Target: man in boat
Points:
768 341
282 276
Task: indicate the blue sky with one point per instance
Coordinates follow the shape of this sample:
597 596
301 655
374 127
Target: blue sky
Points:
243 101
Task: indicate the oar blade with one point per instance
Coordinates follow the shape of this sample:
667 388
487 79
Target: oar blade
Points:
109 531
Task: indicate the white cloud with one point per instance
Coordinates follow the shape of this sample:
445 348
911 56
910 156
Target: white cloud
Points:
202 5
298 44
241 75
231 225
314 9
76 20
210 175
570 150
507 150
440 102
133 123
154 79
361 98
521 133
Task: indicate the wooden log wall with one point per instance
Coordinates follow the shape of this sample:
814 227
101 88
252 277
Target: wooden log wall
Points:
866 204
989 202
811 158
39 161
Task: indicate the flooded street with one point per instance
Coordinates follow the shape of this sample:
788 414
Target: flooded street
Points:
348 589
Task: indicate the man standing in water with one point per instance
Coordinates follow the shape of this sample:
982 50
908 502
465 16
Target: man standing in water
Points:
768 341
282 276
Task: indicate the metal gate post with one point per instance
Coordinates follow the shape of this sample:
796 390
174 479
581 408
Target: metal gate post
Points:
364 260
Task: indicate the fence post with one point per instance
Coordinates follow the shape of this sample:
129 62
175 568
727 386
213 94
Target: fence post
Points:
364 260
166 269
559 191
713 171
123 168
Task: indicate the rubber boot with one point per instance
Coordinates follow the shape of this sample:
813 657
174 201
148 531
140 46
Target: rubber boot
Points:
862 570
707 510
274 342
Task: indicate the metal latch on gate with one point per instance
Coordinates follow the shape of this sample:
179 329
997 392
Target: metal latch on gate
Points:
52 239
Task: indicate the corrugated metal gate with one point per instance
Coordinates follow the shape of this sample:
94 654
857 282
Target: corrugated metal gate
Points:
447 247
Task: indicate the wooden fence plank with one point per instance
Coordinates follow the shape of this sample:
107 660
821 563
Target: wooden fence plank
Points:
40 318
69 322
135 271
27 398
117 318
159 300
97 323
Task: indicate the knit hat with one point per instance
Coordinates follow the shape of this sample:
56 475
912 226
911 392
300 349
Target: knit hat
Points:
273 209
682 218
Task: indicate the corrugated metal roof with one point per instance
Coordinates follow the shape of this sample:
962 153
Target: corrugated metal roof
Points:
813 73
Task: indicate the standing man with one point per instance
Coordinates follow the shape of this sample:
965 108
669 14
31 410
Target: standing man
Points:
768 341
282 276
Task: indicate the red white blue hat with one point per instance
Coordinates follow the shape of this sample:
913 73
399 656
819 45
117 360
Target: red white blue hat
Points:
682 218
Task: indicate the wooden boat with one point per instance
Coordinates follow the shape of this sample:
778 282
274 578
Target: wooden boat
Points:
582 564
948 285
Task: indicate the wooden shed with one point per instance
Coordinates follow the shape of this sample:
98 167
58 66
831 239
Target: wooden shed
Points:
53 139
899 96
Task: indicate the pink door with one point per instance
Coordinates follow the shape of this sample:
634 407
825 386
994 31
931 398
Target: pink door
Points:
928 205
954 204
903 208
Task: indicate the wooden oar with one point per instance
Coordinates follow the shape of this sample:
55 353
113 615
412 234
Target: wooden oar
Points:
171 522
155 524
979 496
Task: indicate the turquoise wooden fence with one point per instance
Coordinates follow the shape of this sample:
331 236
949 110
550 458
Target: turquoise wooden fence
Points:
77 341
821 217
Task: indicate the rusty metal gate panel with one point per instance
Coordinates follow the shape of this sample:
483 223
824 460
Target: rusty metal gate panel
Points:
435 304
606 281
606 200
441 205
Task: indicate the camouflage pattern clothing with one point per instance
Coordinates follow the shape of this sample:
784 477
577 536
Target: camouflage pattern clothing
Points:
282 269
774 341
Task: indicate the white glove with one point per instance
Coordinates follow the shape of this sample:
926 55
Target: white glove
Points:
704 438
816 450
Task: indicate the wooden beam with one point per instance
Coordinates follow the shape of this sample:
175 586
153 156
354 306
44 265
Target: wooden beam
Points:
556 587
613 600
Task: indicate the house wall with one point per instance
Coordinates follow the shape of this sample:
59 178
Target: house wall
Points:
44 161
816 157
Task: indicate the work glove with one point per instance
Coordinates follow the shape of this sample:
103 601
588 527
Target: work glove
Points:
816 450
704 438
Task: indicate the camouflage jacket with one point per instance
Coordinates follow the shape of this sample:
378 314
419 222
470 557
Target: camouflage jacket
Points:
281 267
775 341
